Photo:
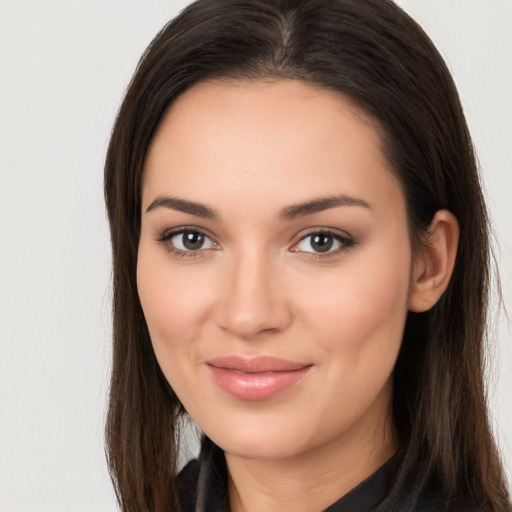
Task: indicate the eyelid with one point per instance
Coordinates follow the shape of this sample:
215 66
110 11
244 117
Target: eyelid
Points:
166 234
345 239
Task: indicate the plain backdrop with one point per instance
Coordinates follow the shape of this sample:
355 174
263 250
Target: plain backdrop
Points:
63 68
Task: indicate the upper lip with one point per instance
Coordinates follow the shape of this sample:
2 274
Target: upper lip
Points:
256 364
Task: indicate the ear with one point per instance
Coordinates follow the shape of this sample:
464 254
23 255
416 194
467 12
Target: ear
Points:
433 267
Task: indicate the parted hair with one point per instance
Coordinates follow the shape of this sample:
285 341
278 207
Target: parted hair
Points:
373 53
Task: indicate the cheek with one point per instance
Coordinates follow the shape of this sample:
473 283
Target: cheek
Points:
174 303
356 321
359 313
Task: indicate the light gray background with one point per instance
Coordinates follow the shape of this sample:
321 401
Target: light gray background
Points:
63 68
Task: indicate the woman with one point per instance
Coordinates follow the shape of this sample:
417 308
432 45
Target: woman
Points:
301 264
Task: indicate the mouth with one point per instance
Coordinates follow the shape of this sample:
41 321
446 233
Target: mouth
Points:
256 378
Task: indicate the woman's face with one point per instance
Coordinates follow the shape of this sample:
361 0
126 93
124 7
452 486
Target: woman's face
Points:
274 266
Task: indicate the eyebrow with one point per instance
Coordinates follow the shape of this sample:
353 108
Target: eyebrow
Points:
289 213
319 205
182 205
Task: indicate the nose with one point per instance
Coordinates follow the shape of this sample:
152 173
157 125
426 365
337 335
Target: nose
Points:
253 299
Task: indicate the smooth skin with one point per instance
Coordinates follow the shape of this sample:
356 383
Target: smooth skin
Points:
229 265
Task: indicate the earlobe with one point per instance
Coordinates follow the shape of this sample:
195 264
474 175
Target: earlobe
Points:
433 267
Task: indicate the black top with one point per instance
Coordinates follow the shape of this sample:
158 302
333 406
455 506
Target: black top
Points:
202 486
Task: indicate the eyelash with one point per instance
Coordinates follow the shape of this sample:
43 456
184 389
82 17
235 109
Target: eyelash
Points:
167 236
346 243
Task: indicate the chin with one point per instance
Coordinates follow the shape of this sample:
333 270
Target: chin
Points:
261 449
269 439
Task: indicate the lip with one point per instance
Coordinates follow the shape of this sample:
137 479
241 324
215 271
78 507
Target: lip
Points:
256 378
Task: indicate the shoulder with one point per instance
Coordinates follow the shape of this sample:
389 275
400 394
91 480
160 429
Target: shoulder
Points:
433 502
414 496
450 506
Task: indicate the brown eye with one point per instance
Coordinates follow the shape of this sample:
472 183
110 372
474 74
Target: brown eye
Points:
321 242
187 241
192 240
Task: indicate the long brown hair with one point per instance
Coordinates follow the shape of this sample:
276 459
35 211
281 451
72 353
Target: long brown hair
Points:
375 54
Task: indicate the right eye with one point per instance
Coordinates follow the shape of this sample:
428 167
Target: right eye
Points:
187 241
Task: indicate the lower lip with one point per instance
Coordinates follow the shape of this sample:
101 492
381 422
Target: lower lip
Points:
256 386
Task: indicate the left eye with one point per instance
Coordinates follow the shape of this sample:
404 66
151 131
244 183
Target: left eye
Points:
321 243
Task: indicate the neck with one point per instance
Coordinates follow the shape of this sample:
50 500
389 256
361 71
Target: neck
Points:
312 480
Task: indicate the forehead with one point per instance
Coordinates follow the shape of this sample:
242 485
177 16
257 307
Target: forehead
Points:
281 138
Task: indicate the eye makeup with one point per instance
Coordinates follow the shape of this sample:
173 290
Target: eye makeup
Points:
192 242
322 242
187 242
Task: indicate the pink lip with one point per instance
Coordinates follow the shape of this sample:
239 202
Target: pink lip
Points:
255 379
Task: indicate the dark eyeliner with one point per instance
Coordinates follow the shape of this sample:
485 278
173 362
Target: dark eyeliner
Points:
346 241
165 237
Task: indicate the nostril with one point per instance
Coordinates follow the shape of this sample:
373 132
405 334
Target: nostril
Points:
254 319
251 303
